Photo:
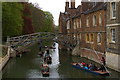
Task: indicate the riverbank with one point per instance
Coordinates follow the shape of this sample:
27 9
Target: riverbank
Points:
4 58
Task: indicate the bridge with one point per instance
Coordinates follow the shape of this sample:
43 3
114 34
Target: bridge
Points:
20 43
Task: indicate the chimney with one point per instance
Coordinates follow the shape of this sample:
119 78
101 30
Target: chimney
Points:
66 5
73 4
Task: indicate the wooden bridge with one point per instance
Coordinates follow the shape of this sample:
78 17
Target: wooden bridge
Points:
19 43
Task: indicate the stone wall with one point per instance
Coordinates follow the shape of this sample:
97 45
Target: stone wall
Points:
91 54
112 61
76 51
87 53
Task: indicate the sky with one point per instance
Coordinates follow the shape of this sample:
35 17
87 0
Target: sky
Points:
53 6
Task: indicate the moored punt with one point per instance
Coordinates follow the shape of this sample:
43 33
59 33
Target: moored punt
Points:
48 60
94 72
41 54
45 74
45 70
18 55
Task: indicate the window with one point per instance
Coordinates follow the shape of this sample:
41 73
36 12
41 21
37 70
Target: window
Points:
68 31
100 20
68 24
74 36
87 22
94 20
80 35
113 10
91 37
77 23
87 38
99 37
94 4
80 23
74 25
113 36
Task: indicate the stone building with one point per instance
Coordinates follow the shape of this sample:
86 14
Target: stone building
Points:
113 35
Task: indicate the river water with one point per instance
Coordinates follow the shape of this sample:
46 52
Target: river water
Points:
28 66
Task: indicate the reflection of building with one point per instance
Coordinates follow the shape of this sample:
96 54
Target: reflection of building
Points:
113 35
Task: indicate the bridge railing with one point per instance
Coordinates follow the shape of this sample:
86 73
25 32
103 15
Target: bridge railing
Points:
20 41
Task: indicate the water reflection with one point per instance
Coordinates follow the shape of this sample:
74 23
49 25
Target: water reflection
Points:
55 63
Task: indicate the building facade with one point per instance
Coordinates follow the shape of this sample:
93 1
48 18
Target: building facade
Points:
113 35
63 27
95 28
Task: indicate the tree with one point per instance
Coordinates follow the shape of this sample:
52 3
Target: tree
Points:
49 25
27 27
12 21
37 18
42 20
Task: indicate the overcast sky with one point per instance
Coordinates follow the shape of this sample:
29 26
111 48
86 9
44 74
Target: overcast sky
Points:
53 6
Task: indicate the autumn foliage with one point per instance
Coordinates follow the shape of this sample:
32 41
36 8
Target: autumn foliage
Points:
27 27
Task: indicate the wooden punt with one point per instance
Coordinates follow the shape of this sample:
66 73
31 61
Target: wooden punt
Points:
94 72
45 74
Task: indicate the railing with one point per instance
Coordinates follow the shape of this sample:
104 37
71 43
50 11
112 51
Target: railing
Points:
21 41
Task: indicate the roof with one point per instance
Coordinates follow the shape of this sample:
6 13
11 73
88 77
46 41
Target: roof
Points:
103 6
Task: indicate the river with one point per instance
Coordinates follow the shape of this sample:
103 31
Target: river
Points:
28 66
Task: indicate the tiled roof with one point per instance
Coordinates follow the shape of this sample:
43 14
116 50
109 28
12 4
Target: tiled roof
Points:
96 8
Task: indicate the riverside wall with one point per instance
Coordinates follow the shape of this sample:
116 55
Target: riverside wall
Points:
95 56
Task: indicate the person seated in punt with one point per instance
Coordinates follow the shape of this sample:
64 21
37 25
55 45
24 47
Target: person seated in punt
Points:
91 66
86 66
77 64
83 63
45 64
45 69
95 68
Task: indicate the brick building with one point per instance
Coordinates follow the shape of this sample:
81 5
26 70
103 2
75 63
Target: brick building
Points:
85 26
63 17
93 30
